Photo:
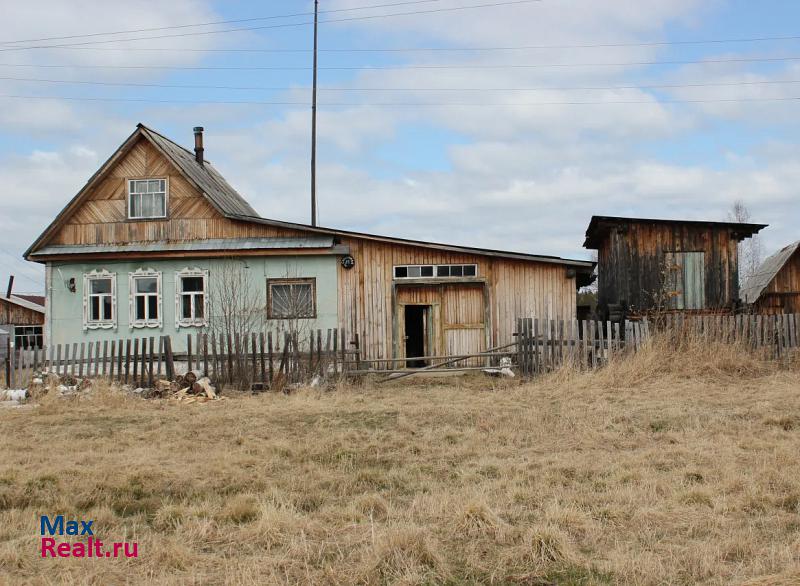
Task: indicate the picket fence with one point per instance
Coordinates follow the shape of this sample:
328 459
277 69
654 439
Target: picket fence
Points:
273 359
252 360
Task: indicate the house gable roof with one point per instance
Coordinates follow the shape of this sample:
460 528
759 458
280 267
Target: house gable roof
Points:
754 286
204 177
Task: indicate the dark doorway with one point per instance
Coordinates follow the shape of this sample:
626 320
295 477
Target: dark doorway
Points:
416 334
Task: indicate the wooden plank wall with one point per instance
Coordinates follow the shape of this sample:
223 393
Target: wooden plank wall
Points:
782 295
515 288
20 316
631 263
101 219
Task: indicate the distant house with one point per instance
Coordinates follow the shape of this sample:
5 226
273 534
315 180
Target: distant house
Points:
141 249
672 265
23 321
775 286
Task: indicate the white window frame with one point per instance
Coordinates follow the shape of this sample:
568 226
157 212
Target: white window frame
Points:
166 198
132 278
180 321
96 275
436 270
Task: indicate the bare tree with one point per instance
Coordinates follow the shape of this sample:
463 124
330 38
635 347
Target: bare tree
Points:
750 249
235 306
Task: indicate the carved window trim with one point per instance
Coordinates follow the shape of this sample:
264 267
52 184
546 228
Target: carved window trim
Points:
132 278
180 321
96 275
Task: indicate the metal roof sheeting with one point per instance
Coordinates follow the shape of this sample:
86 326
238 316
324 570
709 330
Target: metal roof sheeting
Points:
755 285
211 244
205 176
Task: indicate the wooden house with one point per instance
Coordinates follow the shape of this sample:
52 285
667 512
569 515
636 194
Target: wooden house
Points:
23 320
140 249
678 265
775 287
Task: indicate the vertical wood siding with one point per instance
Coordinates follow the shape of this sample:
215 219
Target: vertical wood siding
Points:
782 295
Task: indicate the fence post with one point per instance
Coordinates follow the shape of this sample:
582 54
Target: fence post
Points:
170 364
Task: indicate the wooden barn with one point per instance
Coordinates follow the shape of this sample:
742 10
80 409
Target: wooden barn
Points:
678 265
141 248
775 287
23 320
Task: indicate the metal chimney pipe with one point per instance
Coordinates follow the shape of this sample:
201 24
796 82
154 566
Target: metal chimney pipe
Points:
198 144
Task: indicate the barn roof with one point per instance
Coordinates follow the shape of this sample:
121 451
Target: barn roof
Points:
756 283
600 226
23 303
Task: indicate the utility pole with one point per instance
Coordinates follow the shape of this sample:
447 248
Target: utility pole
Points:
314 125
10 332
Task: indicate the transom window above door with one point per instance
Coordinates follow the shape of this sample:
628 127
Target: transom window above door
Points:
147 198
435 271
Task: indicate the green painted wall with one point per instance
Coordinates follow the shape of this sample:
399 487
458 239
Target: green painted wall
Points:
65 317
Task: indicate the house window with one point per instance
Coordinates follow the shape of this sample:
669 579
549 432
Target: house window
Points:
685 280
438 271
147 198
190 297
291 298
28 337
100 300
145 294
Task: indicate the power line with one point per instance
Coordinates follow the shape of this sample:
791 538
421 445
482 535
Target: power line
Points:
438 49
403 104
410 67
275 26
410 89
213 23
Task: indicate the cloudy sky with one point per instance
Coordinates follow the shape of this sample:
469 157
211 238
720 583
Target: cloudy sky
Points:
505 124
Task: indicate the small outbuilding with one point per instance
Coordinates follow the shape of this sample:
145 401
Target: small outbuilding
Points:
23 319
666 265
775 286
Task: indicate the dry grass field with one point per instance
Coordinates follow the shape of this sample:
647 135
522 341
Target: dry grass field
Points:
668 468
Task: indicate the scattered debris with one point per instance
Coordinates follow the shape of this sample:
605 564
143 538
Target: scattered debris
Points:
503 370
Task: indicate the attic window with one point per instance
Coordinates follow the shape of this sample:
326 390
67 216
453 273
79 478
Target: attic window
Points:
434 271
147 198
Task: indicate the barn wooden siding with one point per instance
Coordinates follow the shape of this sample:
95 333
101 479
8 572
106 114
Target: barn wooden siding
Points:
632 263
782 295
11 313
508 288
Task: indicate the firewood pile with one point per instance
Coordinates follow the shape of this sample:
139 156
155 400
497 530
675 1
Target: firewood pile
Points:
193 390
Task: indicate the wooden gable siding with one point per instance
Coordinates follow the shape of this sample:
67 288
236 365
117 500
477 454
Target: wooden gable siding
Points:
782 295
11 313
515 289
102 218
632 264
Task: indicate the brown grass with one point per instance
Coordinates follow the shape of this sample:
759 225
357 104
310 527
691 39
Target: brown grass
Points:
664 468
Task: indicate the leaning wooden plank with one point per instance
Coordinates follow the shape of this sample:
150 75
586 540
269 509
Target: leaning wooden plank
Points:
447 362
